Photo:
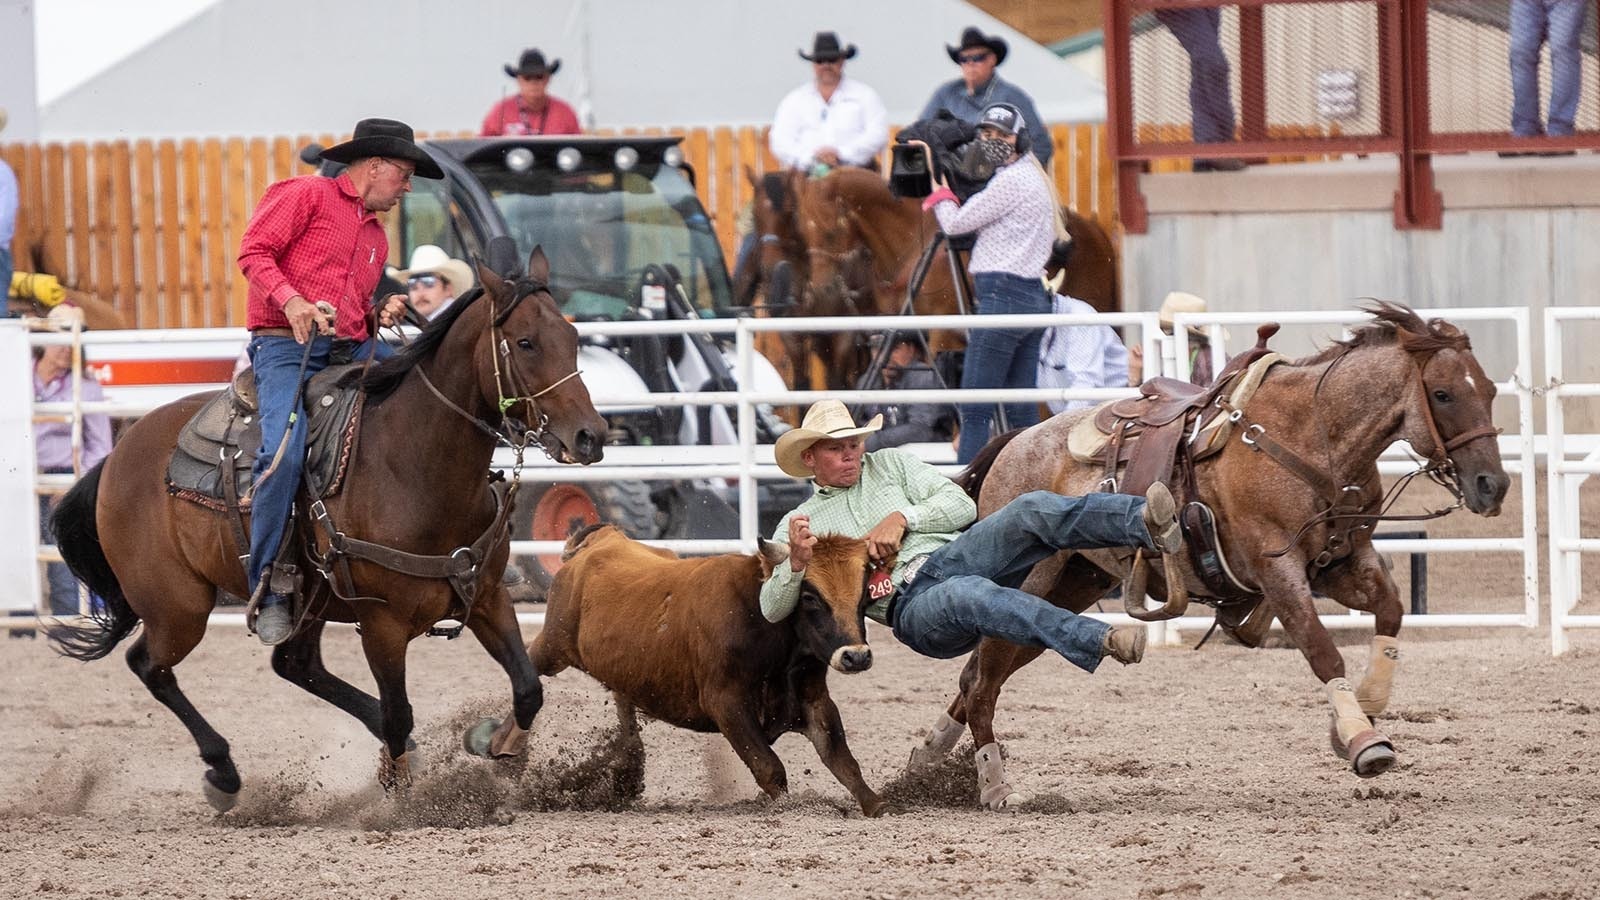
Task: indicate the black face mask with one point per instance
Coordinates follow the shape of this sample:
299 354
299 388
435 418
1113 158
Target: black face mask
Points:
980 158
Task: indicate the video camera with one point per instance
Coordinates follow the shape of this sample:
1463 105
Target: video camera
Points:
911 169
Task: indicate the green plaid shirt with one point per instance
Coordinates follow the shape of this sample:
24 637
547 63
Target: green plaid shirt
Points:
891 481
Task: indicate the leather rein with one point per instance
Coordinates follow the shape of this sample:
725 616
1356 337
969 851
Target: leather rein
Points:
1344 502
460 567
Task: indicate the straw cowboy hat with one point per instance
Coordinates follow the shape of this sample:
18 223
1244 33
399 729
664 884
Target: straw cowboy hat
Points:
532 65
826 420
825 48
386 138
429 259
61 318
1180 302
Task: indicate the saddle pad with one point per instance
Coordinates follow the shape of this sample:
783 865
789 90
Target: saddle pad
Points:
225 435
1087 444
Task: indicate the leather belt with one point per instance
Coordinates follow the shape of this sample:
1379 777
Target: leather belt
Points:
272 332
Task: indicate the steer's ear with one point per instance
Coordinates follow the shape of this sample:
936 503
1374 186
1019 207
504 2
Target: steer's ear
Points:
772 555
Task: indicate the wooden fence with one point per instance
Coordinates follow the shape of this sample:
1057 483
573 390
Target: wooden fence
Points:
153 226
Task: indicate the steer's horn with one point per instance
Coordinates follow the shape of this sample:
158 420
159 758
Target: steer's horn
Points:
1133 591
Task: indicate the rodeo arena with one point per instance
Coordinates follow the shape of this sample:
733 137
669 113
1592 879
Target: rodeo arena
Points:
594 447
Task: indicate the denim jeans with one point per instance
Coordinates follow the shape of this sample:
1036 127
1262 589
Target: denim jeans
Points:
1532 23
5 272
62 585
1210 95
1001 357
276 360
969 588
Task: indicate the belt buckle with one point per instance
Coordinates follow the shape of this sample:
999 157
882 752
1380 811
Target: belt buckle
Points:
912 569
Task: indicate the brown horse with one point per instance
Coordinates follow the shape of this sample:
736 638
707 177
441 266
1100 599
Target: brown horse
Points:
415 482
854 248
708 660
1322 419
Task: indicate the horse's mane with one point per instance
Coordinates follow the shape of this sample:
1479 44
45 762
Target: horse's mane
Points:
1394 323
381 380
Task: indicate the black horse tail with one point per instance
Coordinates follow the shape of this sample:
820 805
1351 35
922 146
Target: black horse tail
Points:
79 541
971 478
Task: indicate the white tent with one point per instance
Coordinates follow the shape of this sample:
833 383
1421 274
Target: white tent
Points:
266 67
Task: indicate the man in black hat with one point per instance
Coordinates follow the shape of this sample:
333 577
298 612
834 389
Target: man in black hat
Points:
831 120
314 240
979 88
533 110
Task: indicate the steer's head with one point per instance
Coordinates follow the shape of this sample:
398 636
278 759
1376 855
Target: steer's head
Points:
830 621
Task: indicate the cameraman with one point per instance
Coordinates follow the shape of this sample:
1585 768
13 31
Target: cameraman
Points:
1014 220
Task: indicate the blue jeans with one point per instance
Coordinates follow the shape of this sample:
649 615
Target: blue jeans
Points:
63 587
1532 23
276 360
969 588
1001 357
6 268
1210 97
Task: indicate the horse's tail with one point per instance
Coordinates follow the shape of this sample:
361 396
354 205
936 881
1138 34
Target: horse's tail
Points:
79 541
971 478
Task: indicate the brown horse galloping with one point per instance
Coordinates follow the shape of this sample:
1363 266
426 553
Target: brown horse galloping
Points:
415 483
1399 378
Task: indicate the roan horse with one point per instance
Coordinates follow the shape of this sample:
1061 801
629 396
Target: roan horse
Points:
1322 423
416 482
854 248
684 641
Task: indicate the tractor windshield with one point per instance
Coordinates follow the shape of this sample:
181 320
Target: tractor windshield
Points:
600 229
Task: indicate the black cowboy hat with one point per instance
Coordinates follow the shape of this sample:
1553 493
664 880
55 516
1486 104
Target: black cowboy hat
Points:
386 138
972 38
532 63
825 48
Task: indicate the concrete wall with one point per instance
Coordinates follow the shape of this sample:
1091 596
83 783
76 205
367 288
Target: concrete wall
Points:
1517 232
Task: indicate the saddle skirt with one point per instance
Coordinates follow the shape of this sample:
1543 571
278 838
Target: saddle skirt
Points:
222 439
1088 440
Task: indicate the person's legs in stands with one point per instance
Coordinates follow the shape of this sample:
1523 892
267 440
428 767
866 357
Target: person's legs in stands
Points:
1527 28
1210 97
1564 22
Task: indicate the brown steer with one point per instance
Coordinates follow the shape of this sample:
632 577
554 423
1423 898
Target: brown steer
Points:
684 641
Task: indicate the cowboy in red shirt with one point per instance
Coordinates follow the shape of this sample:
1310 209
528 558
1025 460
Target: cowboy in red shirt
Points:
314 239
532 110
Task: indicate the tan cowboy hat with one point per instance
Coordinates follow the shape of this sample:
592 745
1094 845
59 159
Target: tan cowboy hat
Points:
429 259
826 420
2 118
1180 302
61 318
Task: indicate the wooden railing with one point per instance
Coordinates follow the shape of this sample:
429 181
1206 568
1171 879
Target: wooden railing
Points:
153 227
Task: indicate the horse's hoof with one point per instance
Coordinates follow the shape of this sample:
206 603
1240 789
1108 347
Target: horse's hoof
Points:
1013 801
476 738
1371 754
220 800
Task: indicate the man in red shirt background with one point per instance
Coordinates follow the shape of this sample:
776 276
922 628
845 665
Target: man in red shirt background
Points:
314 239
533 110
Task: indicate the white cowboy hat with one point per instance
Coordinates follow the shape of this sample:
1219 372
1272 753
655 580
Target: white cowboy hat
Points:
1180 302
826 420
429 259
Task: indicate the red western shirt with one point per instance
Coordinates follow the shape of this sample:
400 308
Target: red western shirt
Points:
509 116
314 237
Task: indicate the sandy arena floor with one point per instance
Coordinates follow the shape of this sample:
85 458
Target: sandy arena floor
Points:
1192 775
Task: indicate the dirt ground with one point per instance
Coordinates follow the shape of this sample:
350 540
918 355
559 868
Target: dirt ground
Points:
1192 775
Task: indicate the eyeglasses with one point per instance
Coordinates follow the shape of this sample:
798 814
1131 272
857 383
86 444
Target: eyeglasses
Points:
539 77
974 57
424 281
836 61
405 171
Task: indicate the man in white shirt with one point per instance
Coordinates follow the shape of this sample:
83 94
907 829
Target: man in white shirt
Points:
831 121
1080 356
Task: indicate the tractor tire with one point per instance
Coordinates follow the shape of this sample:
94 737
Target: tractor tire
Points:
555 511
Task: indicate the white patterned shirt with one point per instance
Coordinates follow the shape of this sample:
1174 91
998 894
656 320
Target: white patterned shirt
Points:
853 122
1014 217
1080 356
891 481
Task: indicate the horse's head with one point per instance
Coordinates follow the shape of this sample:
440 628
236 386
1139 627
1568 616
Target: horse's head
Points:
1451 414
773 223
835 252
830 620
530 365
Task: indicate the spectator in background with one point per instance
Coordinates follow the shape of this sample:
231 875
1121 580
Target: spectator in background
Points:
1013 218
533 110
979 88
8 222
52 383
1080 356
1210 97
434 280
907 423
831 120
1533 22
1200 368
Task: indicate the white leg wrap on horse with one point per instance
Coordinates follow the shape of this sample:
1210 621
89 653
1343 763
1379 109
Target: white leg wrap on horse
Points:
939 742
993 791
1347 715
1379 680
